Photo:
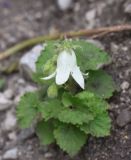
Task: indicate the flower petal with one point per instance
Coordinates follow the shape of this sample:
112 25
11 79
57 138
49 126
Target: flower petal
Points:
64 66
62 75
73 58
50 76
78 77
85 74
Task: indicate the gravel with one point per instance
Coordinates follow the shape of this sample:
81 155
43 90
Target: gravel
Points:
4 102
125 85
124 118
9 122
64 4
11 154
127 8
27 62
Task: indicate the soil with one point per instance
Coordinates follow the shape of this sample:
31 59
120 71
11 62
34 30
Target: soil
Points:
21 20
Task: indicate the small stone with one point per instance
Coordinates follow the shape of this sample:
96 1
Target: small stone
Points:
26 134
38 16
125 85
4 102
64 4
12 136
48 155
124 118
10 122
114 48
90 15
8 93
27 62
127 8
90 18
11 154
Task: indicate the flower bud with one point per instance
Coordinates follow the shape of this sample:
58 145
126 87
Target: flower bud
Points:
52 91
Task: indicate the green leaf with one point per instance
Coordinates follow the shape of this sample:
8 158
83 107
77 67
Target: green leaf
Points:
74 116
27 109
66 99
100 83
50 109
99 127
44 131
2 83
89 102
89 57
70 138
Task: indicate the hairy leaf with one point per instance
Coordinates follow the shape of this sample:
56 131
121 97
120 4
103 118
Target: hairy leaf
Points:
100 83
28 109
50 109
69 138
89 57
74 116
99 127
44 131
66 99
88 102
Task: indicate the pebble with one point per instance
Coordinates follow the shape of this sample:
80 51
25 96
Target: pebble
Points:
127 8
12 136
114 48
123 118
90 18
11 154
125 85
90 15
4 102
9 122
9 93
26 134
27 62
48 155
64 4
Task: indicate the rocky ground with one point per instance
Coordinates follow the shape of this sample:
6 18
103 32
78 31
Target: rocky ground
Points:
21 20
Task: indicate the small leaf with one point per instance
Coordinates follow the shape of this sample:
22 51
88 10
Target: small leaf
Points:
69 138
99 127
44 131
89 57
50 109
74 116
100 83
28 109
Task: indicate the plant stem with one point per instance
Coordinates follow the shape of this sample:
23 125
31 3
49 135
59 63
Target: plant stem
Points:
88 33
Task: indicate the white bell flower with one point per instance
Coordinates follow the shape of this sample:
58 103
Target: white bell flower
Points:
66 66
